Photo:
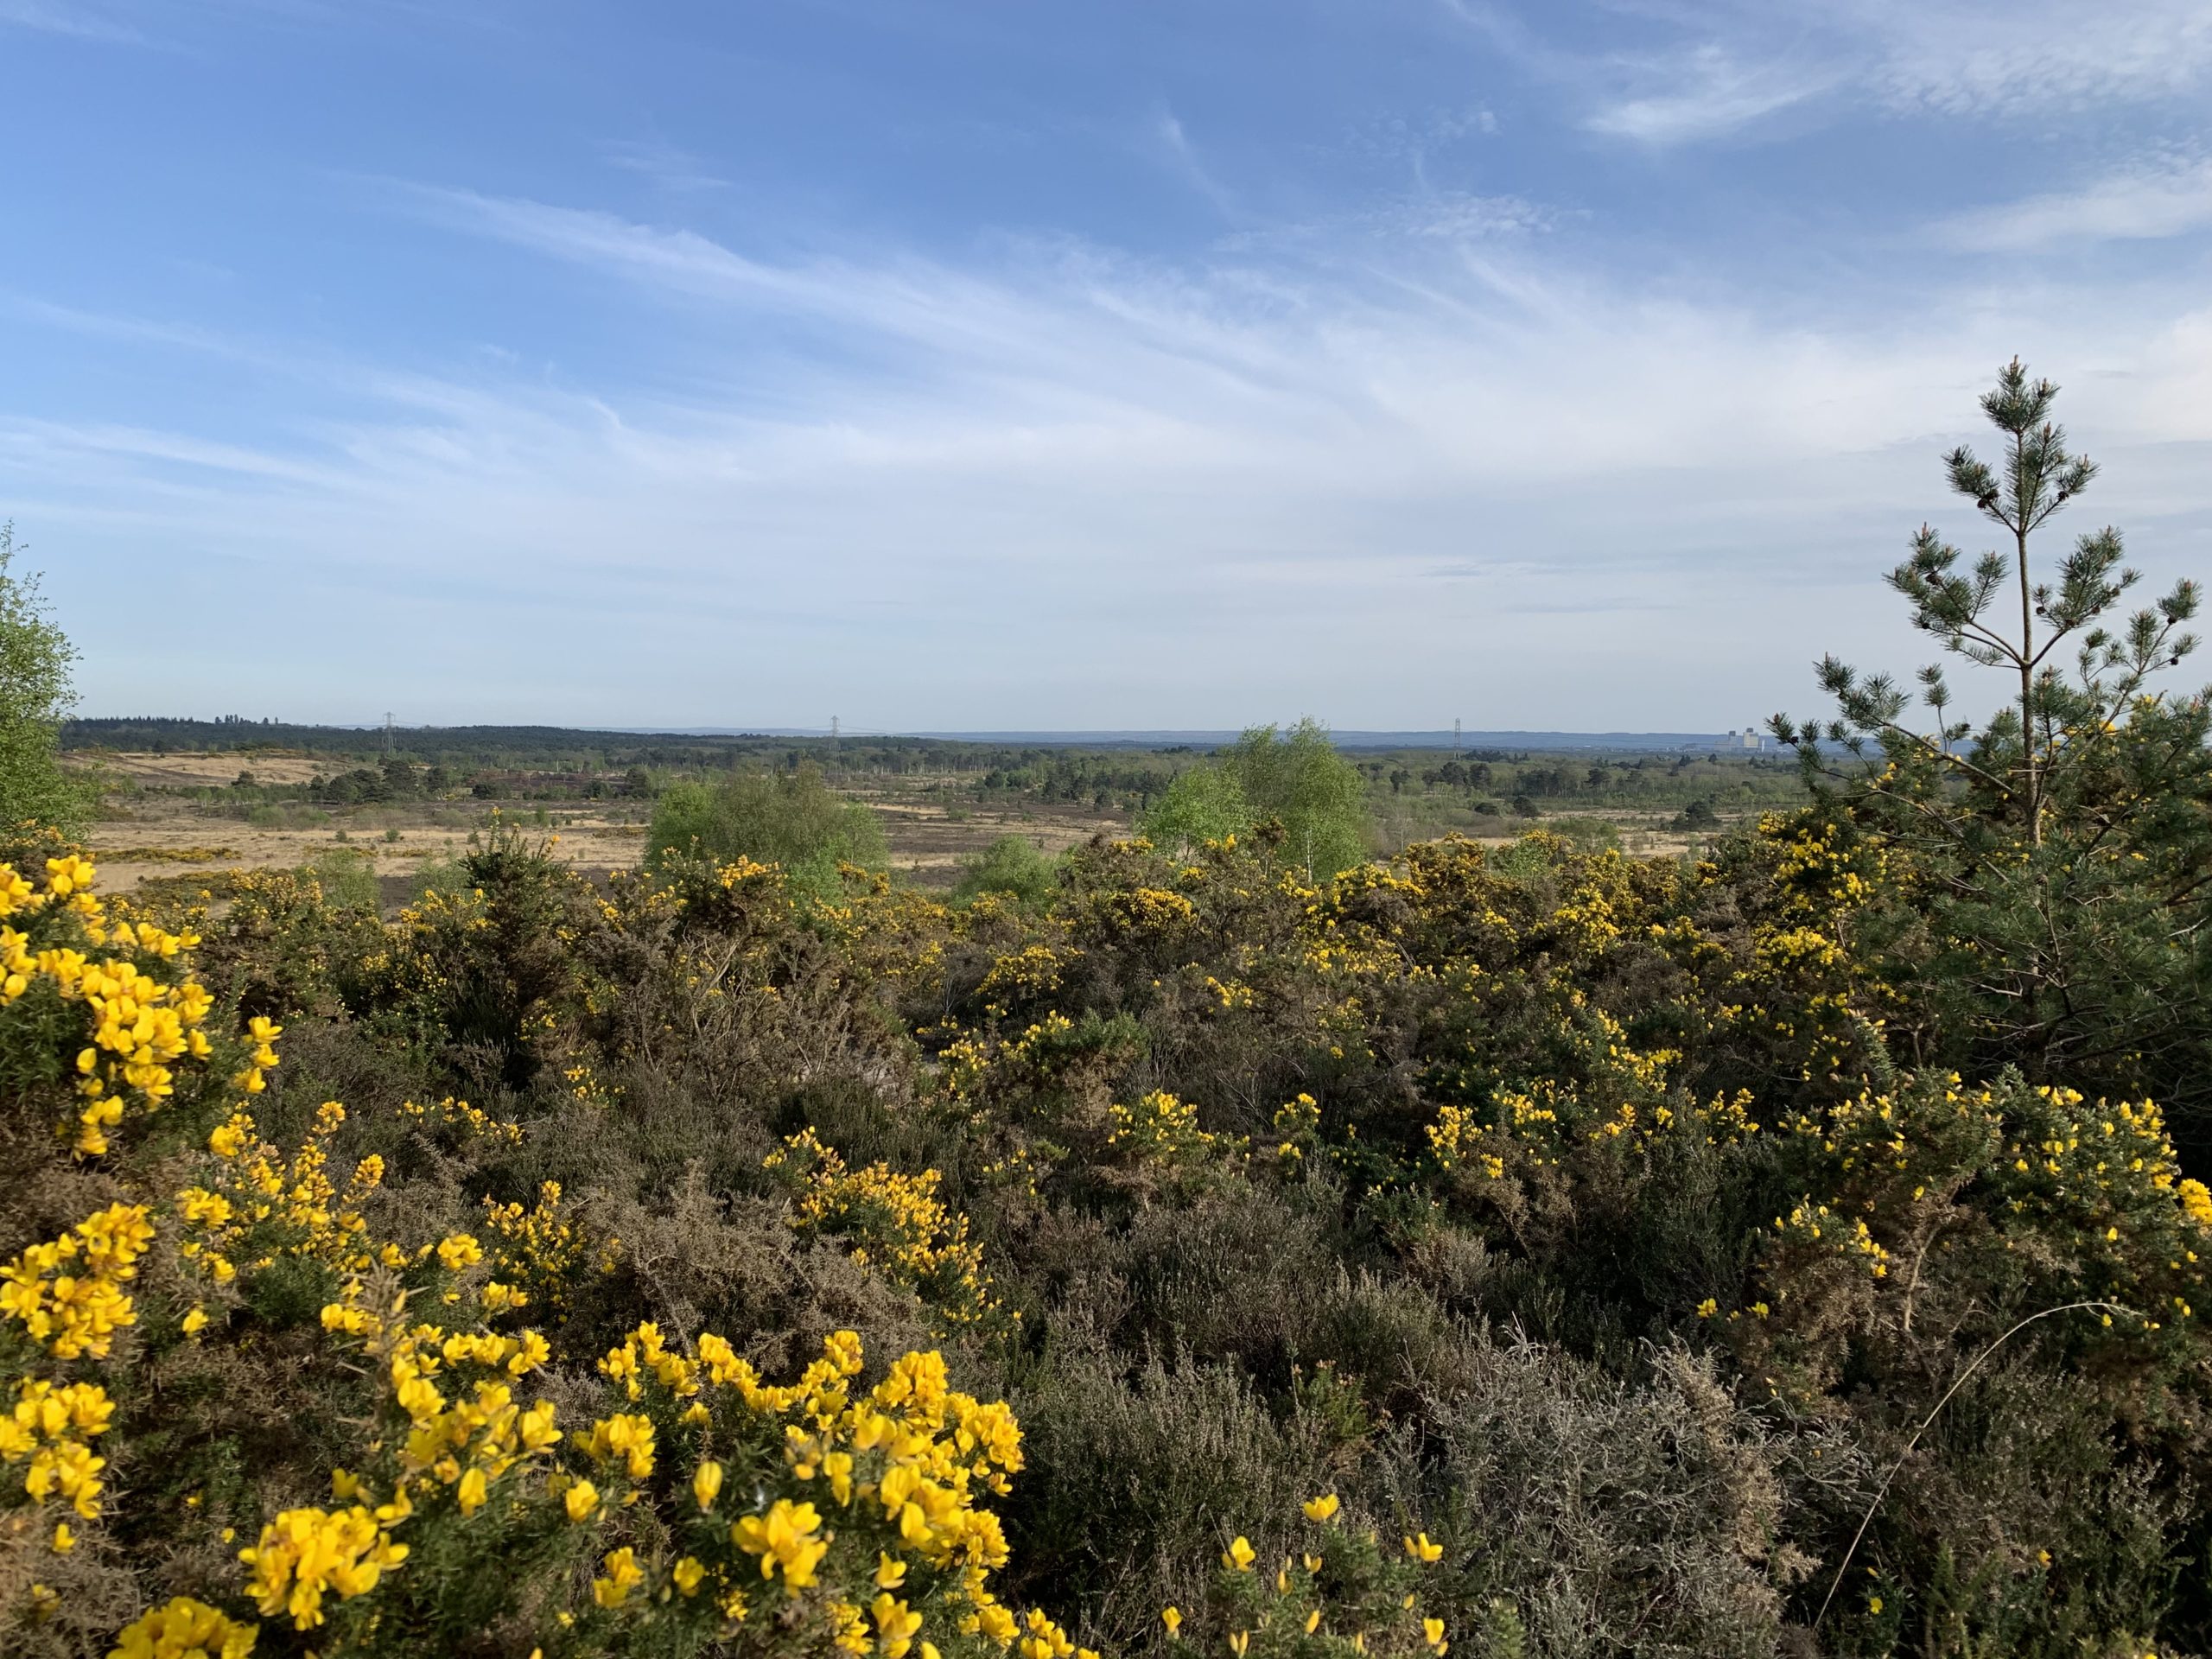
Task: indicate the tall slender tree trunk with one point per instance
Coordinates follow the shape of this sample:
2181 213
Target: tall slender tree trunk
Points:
2023 508
2028 762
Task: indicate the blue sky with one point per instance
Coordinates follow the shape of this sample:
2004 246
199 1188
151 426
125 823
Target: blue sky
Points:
959 365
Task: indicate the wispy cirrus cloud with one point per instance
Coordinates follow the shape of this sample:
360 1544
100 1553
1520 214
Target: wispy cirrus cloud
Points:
2028 60
1460 215
1166 134
66 18
1414 138
2145 202
1704 92
668 166
1717 70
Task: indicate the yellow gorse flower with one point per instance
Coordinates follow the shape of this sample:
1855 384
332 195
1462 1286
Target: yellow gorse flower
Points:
67 1292
625 1438
786 1540
185 1629
705 1483
622 1575
896 1625
305 1554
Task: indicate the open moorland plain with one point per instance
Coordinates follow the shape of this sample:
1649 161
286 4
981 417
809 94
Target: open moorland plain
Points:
182 798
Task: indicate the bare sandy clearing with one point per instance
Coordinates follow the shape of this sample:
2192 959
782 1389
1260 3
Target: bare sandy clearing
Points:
214 771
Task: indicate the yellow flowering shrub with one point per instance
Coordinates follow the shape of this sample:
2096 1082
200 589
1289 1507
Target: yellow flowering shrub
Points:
1297 1125
822 1514
1163 1131
1942 1192
1145 912
185 1629
111 994
462 1123
50 1433
497 966
889 936
819 1509
258 1205
281 948
1338 1590
891 1220
1023 977
69 1294
539 1253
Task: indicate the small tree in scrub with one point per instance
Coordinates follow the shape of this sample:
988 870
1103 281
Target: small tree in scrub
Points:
1295 780
2057 862
1011 865
793 819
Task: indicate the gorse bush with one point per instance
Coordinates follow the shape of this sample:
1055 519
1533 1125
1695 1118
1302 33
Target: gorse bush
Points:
1497 1251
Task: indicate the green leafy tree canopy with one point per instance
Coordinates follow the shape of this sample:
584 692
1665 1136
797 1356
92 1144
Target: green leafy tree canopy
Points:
1294 781
793 819
35 697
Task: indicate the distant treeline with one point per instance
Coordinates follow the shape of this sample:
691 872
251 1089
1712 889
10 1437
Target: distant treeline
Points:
555 748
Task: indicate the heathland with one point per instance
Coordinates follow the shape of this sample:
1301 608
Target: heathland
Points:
213 796
537 1193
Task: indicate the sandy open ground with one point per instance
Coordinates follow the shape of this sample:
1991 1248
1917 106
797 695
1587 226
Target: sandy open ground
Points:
153 834
214 771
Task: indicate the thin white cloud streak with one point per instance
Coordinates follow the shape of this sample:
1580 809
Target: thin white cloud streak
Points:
1457 216
668 166
2140 204
1709 93
73 21
52 439
1078 355
1184 161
